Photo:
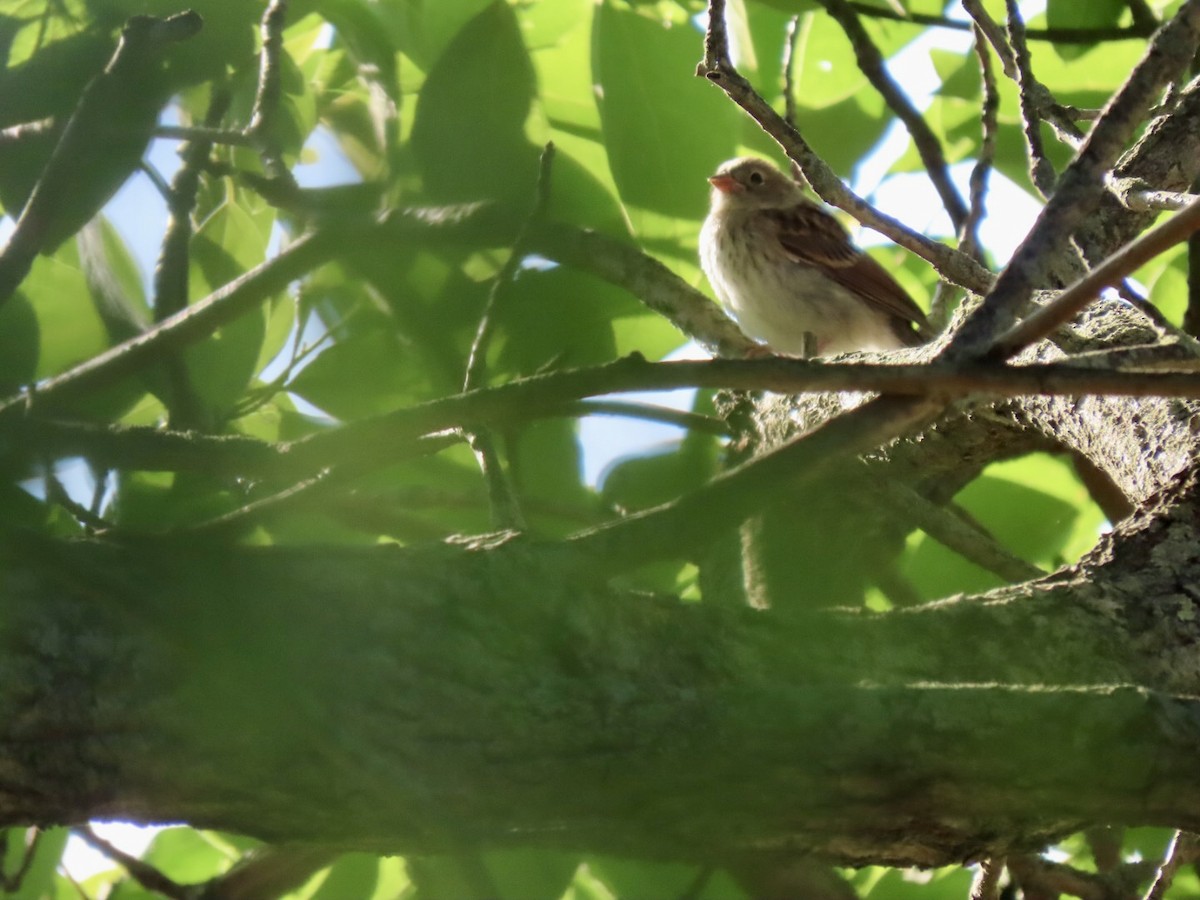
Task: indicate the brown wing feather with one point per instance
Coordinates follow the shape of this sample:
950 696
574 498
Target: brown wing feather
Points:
812 237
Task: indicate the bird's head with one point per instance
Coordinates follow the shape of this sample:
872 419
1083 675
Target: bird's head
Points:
751 183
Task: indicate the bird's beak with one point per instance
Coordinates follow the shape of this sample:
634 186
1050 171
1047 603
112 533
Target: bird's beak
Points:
726 184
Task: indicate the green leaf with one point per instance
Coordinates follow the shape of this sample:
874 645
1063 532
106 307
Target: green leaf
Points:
469 135
546 469
1073 14
19 344
530 874
844 131
556 317
365 375
635 878
40 876
666 130
364 33
353 875
545 24
69 326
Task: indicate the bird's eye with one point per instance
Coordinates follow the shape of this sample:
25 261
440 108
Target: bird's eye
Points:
756 177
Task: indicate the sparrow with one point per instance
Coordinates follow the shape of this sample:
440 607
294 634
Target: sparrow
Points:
785 268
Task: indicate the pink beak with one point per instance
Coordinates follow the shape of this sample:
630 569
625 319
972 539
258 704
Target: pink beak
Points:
726 184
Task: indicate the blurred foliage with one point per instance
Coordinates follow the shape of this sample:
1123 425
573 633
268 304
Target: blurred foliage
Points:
441 101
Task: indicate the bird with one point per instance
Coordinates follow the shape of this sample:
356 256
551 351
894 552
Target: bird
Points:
786 269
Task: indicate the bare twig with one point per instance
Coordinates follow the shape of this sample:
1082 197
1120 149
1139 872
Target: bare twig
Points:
1109 273
980 172
1041 170
790 40
171 272
1081 185
954 533
1053 35
650 413
261 128
994 33
929 148
476 373
231 137
506 507
57 494
716 67
1185 848
1034 873
1136 195
986 885
968 236
143 873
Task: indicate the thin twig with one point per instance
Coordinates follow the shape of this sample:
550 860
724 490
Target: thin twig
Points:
649 413
716 66
185 327
1138 196
954 533
929 148
1041 170
143 873
1185 848
230 137
791 39
57 494
1108 274
1035 873
995 35
505 504
171 271
262 127
476 373
968 234
1041 104
981 171
1053 35
986 885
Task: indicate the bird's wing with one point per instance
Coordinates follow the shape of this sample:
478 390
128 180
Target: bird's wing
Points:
812 237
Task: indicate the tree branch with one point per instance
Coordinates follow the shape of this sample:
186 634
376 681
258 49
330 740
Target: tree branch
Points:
136 447
929 148
1053 35
1111 272
1082 183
